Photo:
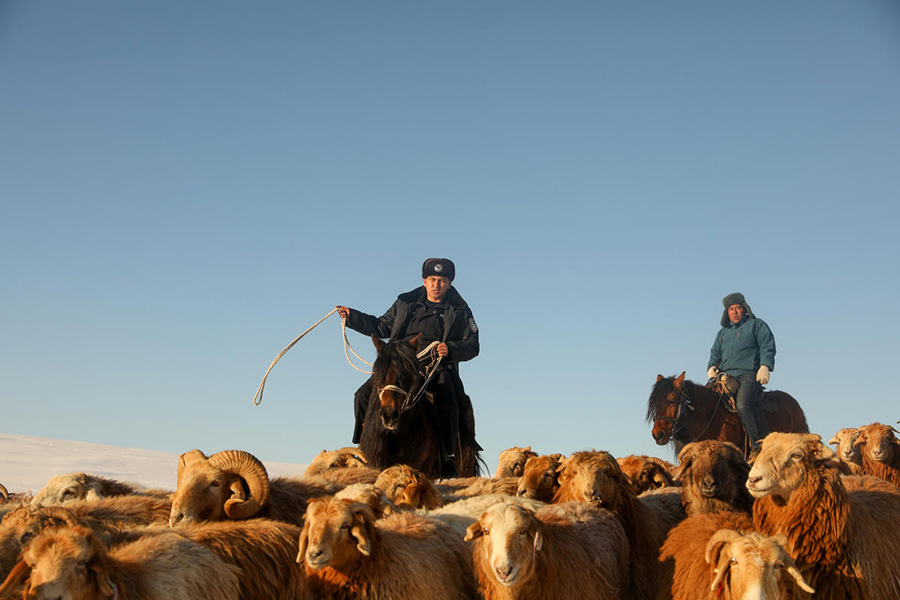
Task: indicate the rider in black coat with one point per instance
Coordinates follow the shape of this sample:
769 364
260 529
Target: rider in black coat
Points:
438 312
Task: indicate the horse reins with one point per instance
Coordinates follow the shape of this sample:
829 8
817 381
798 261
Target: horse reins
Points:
685 401
430 370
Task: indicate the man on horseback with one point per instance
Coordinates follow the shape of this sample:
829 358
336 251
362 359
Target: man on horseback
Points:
745 349
438 312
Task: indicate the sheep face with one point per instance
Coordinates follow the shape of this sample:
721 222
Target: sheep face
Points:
847 448
407 488
878 442
540 480
512 461
592 477
330 460
713 470
509 540
65 564
68 487
752 566
645 473
336 533
784 463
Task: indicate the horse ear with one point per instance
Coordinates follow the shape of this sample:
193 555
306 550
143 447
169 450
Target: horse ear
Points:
659 378
679 381
415 341
379 345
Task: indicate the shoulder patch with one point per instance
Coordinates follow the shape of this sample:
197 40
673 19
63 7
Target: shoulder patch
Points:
472 325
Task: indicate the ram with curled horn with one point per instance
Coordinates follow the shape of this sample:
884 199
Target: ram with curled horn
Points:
234 484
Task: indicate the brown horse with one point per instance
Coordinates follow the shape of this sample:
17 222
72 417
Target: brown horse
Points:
400 425
683 412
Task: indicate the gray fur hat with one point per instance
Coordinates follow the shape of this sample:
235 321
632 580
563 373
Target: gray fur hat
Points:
731 299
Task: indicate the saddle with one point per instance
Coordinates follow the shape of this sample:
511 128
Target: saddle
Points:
727 387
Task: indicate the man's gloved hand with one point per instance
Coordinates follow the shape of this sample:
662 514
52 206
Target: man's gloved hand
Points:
713 372
762 375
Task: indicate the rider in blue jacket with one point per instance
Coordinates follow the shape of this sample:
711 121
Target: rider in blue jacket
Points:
745 349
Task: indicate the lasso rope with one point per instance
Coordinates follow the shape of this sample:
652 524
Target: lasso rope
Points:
427 352
257 399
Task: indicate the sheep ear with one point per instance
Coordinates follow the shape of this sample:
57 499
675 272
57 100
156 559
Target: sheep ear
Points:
16 578
473 531
303 543
823 452
538 541
362 518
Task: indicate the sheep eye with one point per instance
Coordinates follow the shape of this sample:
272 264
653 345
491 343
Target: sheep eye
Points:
779 564
216 483
398 487
797 455
485 530
523 531
69 492
345 526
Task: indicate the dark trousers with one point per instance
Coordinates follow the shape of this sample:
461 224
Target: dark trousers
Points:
446 407
747 405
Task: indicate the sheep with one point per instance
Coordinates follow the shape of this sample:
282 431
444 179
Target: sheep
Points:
511 462
110 518
234 484
264 550
718 555
369 493
70 561
330 460
451 490
408 488
646 472
69 487
540 478
714 478
462 513
879 452
847 451
596 478
844 538
569 551
345 551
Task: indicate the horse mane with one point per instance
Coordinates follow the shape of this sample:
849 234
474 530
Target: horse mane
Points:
661 390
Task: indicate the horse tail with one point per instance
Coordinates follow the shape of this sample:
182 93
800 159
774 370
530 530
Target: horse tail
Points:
481 467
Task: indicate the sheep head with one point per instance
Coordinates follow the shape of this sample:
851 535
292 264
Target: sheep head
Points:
540 477
511 462
68 487
408 488
716 471
878 442
593 477
752 565
368 493
336 533
329 460
62 562
784 463
847 449
509 538
646 472
231 484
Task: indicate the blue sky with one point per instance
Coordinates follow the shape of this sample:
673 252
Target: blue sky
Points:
188 186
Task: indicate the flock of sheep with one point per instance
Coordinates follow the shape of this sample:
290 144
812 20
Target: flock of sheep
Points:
801 521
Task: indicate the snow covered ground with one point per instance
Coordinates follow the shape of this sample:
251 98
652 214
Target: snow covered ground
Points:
27 463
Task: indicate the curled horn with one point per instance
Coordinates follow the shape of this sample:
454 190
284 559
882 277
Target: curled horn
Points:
4 492
713 552
790 567
185 460
684 462
253 472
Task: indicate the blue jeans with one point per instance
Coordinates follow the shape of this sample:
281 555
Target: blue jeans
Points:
747 404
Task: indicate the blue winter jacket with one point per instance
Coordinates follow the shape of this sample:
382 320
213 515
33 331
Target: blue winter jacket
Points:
740 348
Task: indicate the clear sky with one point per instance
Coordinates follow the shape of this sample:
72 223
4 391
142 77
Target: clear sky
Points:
187 186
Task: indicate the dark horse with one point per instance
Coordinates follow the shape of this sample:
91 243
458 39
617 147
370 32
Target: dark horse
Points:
400 428
683 412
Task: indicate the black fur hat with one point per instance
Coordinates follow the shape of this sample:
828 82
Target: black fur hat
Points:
441 267
734 298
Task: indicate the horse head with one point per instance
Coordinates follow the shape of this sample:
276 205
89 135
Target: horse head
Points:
665 407
396 378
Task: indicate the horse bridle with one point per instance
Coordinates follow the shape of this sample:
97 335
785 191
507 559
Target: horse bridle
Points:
684 402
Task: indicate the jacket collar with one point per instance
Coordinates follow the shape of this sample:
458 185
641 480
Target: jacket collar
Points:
452 298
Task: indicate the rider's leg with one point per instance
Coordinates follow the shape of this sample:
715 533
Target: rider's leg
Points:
747 404
447 410
360 406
